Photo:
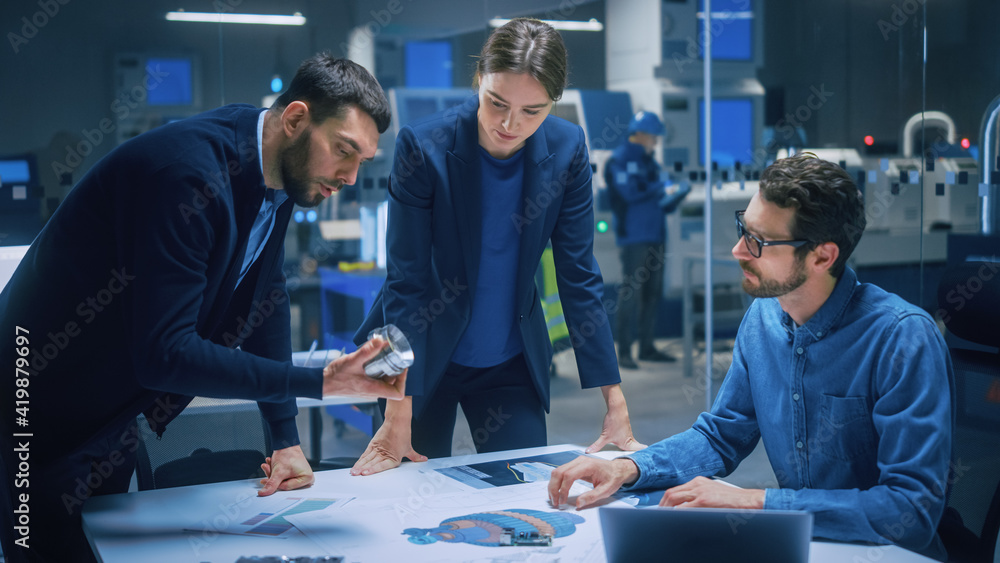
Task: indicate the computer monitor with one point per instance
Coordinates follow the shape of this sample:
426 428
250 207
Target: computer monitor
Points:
170 80
410 104
20 200
568 111
732 130
732 29
428 64
169 84
16 170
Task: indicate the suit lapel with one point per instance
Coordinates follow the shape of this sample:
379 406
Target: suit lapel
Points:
247 195
536 197
465 185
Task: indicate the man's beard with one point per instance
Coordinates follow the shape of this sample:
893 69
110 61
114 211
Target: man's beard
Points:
774 288
294 164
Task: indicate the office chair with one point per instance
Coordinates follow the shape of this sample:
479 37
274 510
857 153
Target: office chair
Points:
969 301
213 440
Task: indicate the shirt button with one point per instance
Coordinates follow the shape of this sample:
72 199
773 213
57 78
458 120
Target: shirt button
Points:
799 350
795 396
819 334
799 445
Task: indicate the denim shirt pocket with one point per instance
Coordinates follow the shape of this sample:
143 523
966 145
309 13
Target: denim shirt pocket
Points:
845 430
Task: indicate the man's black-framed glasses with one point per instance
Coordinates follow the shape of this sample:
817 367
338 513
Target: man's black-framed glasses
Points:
756 245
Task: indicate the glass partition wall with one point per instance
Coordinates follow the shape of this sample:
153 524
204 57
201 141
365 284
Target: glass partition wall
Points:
901 94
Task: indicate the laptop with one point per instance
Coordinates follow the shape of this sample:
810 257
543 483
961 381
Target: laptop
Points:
705 535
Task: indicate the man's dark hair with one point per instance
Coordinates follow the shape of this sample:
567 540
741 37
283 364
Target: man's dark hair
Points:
330 85
526 46
828 205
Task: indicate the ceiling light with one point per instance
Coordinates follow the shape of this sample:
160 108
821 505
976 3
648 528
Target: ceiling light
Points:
213 17
724 15
562 25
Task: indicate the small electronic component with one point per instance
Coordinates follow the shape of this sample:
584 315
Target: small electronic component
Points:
522 539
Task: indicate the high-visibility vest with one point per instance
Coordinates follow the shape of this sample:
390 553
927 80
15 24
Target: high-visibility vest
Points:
551 305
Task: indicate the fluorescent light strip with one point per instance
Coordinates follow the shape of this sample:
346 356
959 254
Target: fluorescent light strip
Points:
562 25
728 15
211 17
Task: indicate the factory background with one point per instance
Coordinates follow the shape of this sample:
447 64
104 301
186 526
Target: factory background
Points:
59 76
873 85
816 74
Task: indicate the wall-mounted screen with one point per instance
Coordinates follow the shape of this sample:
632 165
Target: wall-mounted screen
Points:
158 82
732 130
428 64
170 81
732 29
20 199
14 171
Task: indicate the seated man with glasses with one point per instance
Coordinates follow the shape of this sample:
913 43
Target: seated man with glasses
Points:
849 386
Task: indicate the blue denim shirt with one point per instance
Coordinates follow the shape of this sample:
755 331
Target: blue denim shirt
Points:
855 409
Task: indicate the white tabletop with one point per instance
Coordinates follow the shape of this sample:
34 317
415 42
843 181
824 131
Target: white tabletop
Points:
195 523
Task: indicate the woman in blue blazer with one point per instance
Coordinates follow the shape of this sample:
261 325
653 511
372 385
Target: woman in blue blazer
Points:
475 195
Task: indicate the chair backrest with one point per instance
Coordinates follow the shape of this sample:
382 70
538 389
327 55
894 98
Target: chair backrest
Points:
213 440
969 301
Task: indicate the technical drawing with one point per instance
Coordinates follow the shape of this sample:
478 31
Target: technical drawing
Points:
512 527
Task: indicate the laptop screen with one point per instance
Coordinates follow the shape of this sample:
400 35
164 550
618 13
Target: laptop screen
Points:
705 534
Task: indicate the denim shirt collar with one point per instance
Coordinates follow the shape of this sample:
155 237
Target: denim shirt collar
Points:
830 312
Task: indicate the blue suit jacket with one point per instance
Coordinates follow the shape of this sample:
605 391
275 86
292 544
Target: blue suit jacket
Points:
129 292
434 242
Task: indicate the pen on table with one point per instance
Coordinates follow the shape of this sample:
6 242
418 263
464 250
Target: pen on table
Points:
229 532
310 354
649 498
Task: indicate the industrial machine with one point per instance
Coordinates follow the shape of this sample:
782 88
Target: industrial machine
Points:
21 198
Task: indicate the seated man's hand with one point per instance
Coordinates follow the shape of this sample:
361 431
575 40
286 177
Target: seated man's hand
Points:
704 492
346 375
606 477
287 469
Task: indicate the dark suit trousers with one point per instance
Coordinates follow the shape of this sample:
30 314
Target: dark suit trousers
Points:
639 296
57 492
499 402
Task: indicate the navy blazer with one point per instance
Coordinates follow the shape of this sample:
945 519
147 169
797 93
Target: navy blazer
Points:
129 292
434 243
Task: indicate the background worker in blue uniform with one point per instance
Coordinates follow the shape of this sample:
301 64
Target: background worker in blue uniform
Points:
639 199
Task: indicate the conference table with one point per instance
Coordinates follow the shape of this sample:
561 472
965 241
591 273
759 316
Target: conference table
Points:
401 513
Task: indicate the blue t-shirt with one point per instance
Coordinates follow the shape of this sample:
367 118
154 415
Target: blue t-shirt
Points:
492 336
